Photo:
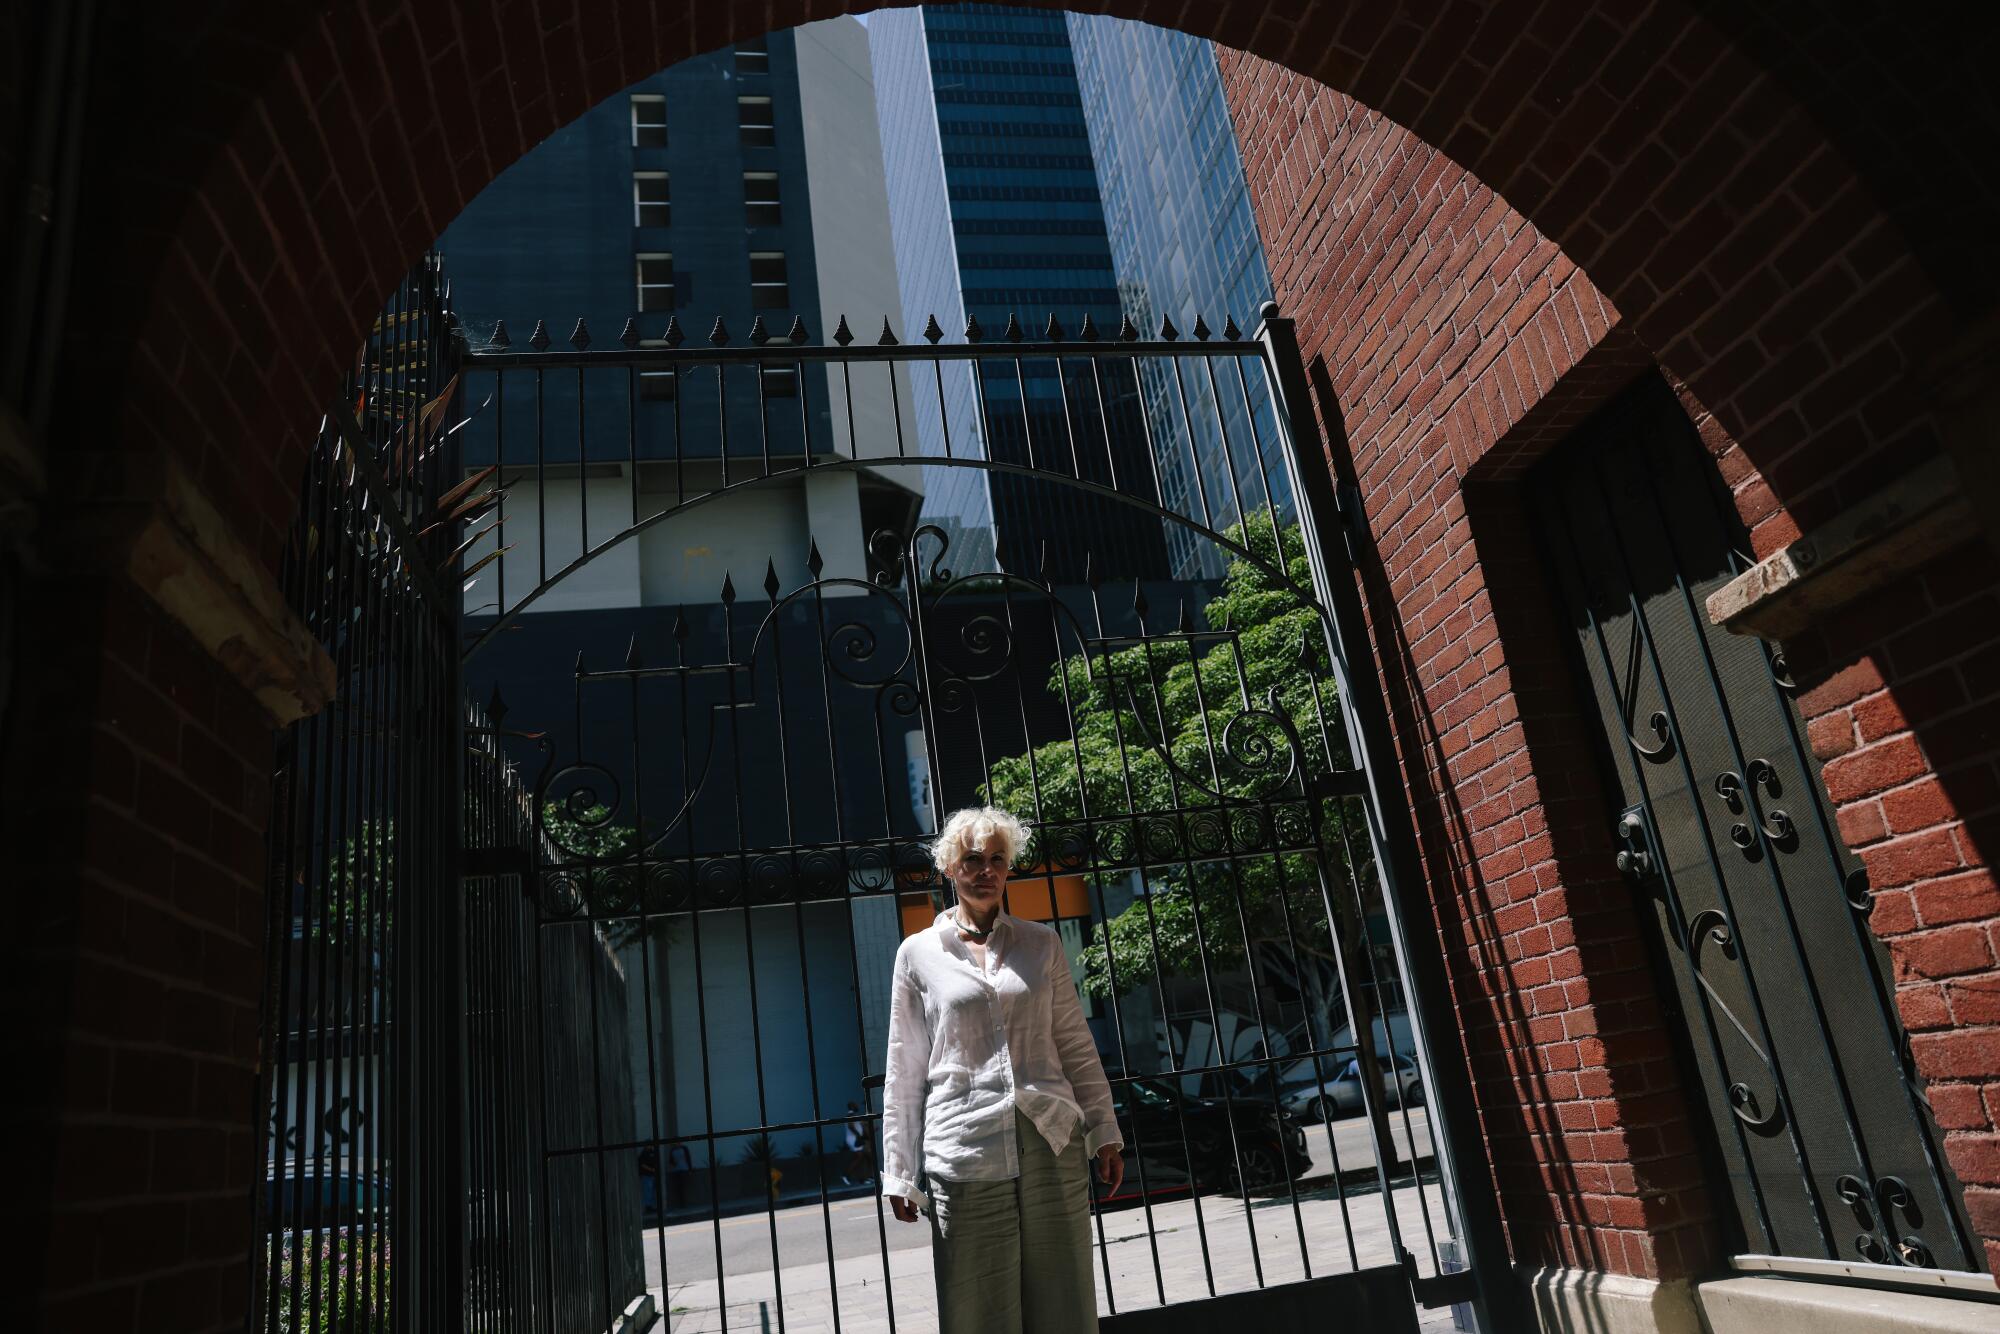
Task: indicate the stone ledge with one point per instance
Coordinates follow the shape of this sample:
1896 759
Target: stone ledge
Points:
1759 1304
145 517
1918 517
1583 1301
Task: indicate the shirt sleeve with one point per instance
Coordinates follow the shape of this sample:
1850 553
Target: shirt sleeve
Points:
1080 1062
906 1077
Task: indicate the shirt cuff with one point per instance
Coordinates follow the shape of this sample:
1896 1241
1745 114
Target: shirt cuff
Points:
1099 1137
907 1189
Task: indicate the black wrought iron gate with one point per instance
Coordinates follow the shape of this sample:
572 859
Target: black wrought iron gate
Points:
732 791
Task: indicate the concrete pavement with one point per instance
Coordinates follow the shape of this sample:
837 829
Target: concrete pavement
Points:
879 1274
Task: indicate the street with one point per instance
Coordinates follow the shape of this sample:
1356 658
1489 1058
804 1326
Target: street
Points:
1203 1247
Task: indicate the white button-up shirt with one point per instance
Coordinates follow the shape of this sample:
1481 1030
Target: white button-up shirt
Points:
967 1045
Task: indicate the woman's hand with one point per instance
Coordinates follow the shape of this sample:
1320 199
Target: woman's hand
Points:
906 1210
1110 1168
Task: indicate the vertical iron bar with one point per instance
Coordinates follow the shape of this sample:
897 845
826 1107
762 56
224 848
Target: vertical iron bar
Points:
1394 842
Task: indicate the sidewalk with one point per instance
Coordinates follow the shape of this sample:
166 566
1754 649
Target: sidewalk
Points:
851 1259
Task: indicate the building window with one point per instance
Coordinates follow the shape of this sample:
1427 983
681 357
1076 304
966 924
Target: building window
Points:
649 120
769 288
781 382
760 198
754 57
660 386
656 282
754 125
652 206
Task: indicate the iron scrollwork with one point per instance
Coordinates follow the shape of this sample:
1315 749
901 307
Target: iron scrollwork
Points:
1714 925
1738 795
1875 1209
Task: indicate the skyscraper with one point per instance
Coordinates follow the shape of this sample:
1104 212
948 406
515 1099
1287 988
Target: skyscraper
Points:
1037 162
1185 245
996 215
717 188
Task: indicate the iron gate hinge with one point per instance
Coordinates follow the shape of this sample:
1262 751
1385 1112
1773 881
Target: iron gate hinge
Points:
1442 1289
1339 783
1353 520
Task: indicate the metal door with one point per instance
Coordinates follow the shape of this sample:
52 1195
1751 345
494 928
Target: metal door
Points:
1827 1144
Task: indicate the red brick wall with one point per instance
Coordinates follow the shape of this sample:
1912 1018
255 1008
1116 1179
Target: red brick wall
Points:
293 164
1455 342
134 963
1904 707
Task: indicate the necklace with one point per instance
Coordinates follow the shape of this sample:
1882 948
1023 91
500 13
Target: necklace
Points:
958 920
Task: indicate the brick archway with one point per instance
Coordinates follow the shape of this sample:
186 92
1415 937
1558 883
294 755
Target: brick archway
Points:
1726 208
1751 195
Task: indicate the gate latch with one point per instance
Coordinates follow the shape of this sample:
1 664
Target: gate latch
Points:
1638 859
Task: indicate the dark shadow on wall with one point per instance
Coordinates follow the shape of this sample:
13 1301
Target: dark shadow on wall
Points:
1544 1196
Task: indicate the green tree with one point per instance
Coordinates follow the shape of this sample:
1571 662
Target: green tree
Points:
1202 748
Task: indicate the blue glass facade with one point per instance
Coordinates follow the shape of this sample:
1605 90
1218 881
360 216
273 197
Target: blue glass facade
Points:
996 214
1184 243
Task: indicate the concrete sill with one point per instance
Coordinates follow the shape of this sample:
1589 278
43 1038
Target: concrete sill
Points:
1775 1305
1920 516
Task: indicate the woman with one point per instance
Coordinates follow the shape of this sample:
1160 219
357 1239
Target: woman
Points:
994 1091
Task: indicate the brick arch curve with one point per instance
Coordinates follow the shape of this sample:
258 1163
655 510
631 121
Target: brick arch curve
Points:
1765 224
300 162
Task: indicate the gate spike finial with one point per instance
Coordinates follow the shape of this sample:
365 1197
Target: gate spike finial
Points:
1087 331
1013 331
579 662
539 339
771 584
674 336
1184 625
496 707
1201 330
814 561
728 589
632 660
719 335
1042 565
843 335
1054 332
798 331
1091 575
1139 604
1229 329
579 337
973 333
629 335
499 338
1128 332
1168 333
680 625
888 338
759 335
931 331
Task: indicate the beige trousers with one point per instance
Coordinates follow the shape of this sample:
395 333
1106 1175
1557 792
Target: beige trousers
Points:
1013 1257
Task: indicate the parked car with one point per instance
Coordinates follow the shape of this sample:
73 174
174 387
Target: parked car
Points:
300 1195
1314 1101
1175 1143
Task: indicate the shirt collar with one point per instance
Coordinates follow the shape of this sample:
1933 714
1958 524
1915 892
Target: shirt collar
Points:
949 928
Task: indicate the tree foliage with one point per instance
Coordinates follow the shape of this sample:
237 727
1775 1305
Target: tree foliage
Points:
1246 718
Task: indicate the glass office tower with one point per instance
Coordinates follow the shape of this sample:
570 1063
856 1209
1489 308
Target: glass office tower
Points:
1184 243
995 211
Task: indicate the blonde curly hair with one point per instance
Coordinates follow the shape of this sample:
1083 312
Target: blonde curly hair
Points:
973 825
